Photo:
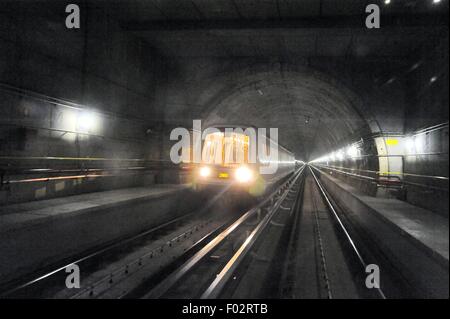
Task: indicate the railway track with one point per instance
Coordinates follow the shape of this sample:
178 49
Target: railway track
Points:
365 248
306 253
207 272
350 250
117 270
296 243
293 245
103 267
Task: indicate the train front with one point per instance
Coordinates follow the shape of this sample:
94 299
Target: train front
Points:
226 162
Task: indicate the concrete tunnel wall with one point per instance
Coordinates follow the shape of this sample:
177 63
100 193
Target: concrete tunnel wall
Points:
140 96
113 75
221 91
357 97
428 99
422 151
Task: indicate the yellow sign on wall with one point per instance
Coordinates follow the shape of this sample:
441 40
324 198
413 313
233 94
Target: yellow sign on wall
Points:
392 141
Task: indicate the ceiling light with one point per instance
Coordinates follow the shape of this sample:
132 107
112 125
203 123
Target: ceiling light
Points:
414 66
433 79
390 80
387 1
436 1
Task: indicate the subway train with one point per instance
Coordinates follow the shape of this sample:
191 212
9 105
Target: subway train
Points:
231 158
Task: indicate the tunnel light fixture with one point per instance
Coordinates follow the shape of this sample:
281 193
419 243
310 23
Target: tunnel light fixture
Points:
323 159
332 157
387 1
433 79
86 121
436 1
352 151
419 144
319 160
409 144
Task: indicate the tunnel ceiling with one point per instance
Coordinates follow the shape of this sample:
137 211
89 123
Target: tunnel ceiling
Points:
161 10
311 112
278 28
307 110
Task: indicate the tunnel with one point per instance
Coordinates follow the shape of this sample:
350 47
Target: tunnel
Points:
120 179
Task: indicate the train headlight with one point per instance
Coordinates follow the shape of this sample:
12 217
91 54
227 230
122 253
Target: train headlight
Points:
243 174
205 171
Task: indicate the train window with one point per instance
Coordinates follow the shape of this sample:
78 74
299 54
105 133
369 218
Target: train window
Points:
212 148
220 149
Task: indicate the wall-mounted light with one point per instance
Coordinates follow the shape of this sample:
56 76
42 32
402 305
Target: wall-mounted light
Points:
419 143
340 155
409 144
86 121
352 151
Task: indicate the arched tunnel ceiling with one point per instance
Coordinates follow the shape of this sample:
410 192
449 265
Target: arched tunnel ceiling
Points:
311 114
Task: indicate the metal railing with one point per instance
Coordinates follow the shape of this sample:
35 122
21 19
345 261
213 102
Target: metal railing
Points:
12 173
392 179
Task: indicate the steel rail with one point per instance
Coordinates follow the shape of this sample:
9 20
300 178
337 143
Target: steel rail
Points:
109 247
112 246
343 228
186 267
222 278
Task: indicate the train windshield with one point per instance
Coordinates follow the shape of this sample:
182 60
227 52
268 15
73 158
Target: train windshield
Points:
225 149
